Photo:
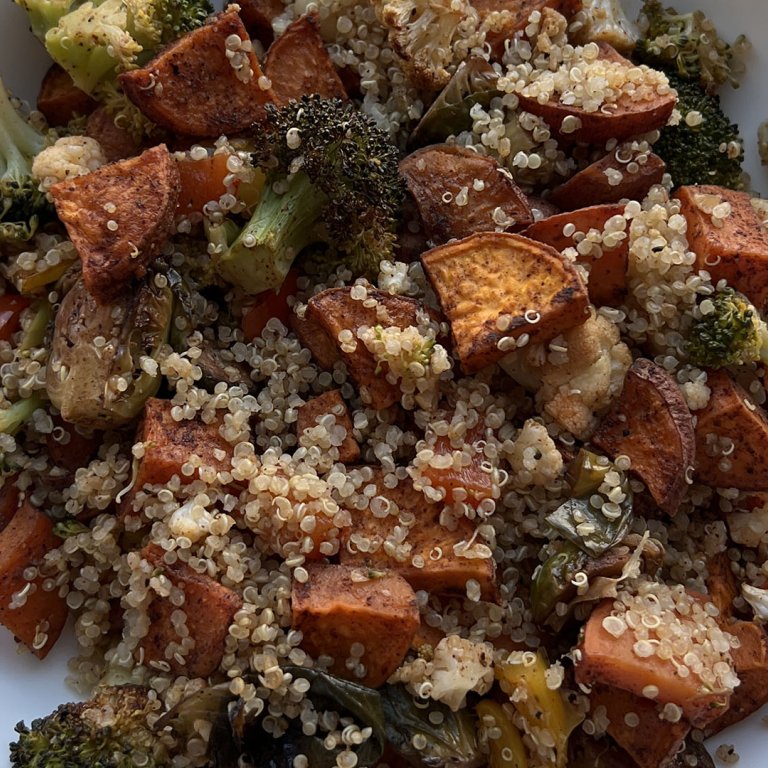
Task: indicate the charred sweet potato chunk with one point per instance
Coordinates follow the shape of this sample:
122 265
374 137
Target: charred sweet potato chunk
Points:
734 246
440 570
192 88
609 180
60 99
494 287
118 218
298 64
116 141
335 609
730 417
459 192
330 403
607 284
651 424
258 15
209 608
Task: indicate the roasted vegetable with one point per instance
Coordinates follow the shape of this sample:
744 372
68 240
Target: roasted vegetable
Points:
728 330
22 206
607 21
105 385
335 168
109 730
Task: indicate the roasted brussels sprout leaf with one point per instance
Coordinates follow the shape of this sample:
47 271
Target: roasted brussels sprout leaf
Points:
553 582
452 743
95 376
594 526
474 82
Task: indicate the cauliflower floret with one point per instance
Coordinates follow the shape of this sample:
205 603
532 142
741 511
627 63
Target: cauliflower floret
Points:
458 667
534 457
592 374
69 157
430 36
606 21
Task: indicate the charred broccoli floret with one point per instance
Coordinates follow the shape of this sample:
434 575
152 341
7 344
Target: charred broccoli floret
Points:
109 731
22 205
689 44
727 331
94 40
606 21
705 146
336 181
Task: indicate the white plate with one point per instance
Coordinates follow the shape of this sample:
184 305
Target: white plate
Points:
29 688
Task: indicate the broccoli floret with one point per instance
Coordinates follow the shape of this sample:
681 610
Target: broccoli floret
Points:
22 205
336 181
688 44
108 731
705 146
606 21
94 40
728 331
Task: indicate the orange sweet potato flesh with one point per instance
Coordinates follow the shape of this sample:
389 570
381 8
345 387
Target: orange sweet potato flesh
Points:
652 743
201 181
118 218
330 402
117 143
23 543
492 274
436 176
191 88
60 99
650 422
168 444
517 13
298 64
628 117
210 608
442 571
611 661
750 660
607 284
334 310
737 251
334 610
731 414
592 187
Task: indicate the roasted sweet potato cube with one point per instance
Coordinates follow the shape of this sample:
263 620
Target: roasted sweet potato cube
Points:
258 15
651 742
628 116
192 88
733 247
443 180
312 335
9 501
750 661
60 99
609 180
495 286
612 661
169 444
334 310
722 585
117 142
607 284
439 569
512 16
651 424
298 64
730 418
24 542
118 218
209 608
330 403
338 607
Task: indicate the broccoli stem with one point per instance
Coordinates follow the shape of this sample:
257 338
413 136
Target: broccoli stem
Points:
19 141
280 227
12 419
